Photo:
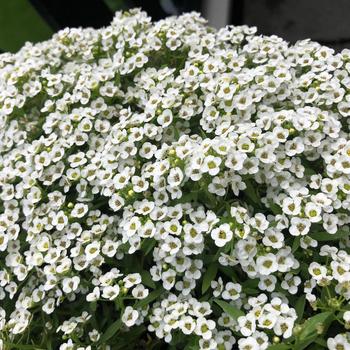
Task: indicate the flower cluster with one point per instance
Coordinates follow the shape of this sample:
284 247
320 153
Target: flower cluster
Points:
168 183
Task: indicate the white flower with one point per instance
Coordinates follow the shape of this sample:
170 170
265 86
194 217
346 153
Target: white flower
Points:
92 250
222 235
211 165
267 264
291 206
299 226
267 283
168 278
79 210
130 316
313 212
132 280
187 325
232 291
140 292
284 327
247 325
249 343
110 292
340 341
94 295
317 271
291 283
204 328
116 202
175 177
70 284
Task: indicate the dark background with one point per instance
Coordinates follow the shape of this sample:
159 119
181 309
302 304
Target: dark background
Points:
325 21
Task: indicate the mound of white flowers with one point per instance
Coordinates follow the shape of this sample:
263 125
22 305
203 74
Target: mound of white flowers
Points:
169 186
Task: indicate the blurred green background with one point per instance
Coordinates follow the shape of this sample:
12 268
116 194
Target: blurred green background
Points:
20 22
36 20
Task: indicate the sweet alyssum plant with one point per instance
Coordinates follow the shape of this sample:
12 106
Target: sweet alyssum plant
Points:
169 186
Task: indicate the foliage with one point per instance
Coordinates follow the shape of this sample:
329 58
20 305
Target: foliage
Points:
19 22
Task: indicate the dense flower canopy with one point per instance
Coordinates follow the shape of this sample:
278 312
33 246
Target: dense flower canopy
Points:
169 183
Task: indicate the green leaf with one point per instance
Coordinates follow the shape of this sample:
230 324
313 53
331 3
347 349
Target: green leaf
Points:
93 306
309 332
326 294
209 276
250 283
315 346
321 341
20 346
299 307
147 279
312 323
208 198
296 244
130 338
250 192
192 343
278 347
226 270
115 5
229 309
274 208
186 198
251 291
324 236
20 23
147 245
250 287
110 332
151 297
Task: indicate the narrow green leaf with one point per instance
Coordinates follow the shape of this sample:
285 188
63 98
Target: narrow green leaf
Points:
110 332
93 306
300 306
209 276
324 236
250 192
250 283
147 279
226 270
250 287
151 297
130 338
326 294
309 332
229 309
321 341
296 244
147 245
311 324
20 346
192 343
208 259
304 344
315 346
279 347
274 208
186 198
206 197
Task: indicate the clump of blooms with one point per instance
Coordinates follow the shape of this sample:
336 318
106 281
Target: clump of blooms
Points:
167 183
